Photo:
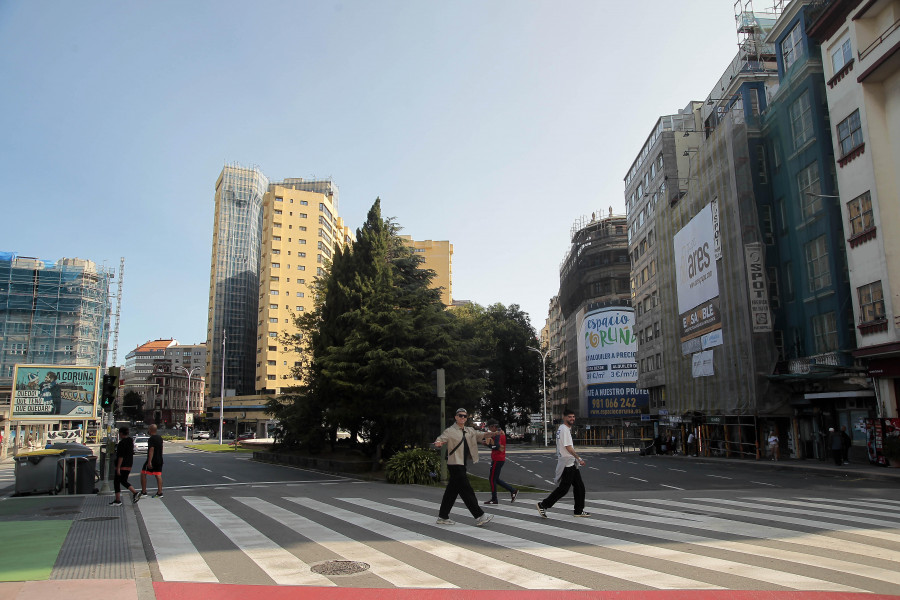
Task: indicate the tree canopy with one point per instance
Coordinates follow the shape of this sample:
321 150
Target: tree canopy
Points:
376 334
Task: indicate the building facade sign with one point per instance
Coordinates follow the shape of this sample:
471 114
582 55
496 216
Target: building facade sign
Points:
695 268
760 316
606 364
52 392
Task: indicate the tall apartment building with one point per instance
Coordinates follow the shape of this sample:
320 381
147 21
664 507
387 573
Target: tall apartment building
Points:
438 257
52 313
234 280
860 52
301 225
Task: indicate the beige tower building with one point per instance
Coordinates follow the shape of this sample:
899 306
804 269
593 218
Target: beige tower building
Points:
300 228
439 258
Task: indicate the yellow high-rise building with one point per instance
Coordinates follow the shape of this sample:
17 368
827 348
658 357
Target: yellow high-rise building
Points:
300 228
439 258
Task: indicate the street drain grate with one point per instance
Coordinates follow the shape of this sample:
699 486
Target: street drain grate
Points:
339 567
99 519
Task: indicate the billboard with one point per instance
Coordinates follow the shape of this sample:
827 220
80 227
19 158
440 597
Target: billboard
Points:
52 392
606 364
696 277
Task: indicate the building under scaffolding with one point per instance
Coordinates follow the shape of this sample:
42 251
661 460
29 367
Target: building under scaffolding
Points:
51 313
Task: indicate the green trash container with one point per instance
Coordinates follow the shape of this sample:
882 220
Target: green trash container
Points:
40 472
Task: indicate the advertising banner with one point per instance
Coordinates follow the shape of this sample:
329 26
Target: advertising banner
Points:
700 320
607 367
49 392
695 268
759 288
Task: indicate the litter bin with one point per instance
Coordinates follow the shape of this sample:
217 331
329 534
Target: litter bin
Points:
40 472
81 474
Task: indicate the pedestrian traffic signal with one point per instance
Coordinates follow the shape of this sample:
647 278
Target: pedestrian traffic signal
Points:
108 394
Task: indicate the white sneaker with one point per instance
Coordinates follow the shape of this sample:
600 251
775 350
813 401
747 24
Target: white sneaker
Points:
483 520
441 521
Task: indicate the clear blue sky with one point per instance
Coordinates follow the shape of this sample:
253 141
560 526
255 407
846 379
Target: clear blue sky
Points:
492 124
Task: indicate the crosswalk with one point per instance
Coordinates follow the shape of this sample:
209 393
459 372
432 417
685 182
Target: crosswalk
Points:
758 542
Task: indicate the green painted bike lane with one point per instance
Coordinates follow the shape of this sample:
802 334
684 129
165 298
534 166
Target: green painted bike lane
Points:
32 532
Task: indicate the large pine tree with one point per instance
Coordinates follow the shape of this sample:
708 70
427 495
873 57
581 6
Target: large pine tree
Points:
377 332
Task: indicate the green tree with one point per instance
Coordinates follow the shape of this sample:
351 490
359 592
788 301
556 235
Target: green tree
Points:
513 373
132 406
375 335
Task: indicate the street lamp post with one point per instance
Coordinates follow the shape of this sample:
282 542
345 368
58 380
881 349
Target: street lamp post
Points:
187 409
544 372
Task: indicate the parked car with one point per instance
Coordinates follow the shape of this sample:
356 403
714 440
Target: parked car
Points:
246 436
201 435
140 444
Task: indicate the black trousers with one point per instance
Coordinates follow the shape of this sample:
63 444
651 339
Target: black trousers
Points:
571 476
458 485
121 480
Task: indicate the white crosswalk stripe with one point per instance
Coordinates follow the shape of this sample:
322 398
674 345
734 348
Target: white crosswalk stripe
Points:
629 573
695 561
282 566
479 562
383 565
176 556
701 543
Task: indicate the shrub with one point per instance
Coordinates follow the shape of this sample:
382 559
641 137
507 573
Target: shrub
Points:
418 466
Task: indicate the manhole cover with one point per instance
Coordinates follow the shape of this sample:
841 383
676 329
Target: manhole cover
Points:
99 519
339 567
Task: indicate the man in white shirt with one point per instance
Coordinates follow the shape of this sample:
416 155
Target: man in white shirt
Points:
567 473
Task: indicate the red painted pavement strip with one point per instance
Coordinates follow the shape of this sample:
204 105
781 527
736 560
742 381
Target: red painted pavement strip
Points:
219 591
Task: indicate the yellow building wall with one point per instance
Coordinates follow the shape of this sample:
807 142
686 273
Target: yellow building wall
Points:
300 229
438 257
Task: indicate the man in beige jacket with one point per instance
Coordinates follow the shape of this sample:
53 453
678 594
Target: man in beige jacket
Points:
463 442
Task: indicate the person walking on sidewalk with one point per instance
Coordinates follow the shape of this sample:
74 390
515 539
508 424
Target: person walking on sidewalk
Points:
154 463
847 441
567 473
498 458
463 442
124 462
837 446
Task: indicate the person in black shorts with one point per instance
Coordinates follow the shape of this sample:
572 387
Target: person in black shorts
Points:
154 464
124 462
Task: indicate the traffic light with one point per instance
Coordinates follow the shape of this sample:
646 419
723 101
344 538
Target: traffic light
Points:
108 394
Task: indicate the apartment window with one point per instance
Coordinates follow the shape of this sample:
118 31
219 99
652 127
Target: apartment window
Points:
275 278
788 280
825 332
277 251
791 48
276 265
277 212
808 183
841 56
276 225
817 264
304 203
301 268
276 238
277 199
270 377
273 320
860 211
271 363
273 292
773 287
871 303
273 306
273 334
273 348
768 228
761 166
850 133
801 120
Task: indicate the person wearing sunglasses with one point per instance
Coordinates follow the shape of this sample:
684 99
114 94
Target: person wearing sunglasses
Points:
463 446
